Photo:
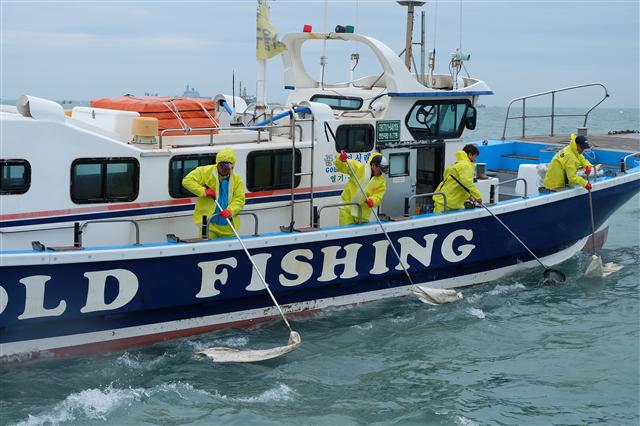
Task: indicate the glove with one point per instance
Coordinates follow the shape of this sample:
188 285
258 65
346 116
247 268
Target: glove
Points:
225 213
587 170
210 193
587 187
369 202
343 156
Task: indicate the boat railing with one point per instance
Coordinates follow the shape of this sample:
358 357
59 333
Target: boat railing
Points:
523 180
407 200
553 114
318 211
80 228
211 130
242 213
623 161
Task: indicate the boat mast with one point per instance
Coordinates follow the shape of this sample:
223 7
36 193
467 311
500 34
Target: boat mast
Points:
411 4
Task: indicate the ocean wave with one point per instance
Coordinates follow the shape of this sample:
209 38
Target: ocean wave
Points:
478 313
98 404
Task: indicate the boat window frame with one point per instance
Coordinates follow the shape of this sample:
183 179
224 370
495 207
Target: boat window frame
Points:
371 135
104 161
26 180
184 157
424 133
317 96
406 156
251 169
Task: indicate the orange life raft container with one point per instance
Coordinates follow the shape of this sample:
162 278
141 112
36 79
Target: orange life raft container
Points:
171 112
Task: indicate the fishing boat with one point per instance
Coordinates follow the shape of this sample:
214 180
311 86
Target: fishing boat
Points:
99 250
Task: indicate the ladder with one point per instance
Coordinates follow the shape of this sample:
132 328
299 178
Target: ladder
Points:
294 174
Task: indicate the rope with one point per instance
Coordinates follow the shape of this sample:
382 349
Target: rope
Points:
170 106
213 120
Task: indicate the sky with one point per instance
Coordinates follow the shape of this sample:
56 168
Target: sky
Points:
81 50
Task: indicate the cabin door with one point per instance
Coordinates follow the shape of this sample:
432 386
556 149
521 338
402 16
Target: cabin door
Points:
429 171
401 181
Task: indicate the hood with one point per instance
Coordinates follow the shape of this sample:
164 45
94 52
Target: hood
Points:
375 154
572 145
462 156
226 155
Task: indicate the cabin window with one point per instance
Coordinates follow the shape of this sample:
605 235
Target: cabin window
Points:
15 177
399 164
180 166
269 170
355 138
437 119
344 103
104 180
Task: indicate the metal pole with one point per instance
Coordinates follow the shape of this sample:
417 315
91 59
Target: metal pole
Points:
553 107
422 48
523 116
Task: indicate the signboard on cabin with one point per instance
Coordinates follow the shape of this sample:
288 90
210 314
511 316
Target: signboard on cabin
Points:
387 131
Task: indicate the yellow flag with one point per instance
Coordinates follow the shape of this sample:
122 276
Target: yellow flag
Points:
267 44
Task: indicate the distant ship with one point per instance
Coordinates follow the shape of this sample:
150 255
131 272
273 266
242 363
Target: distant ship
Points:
191 92
481 106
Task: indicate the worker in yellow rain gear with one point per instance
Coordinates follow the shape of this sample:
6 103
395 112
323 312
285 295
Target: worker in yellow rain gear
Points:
460 172
371 177
217 181
565 164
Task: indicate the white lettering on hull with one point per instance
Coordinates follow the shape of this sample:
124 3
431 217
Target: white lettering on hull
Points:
291 265
331 261
127 289
4 299
34 299
465 249
409 247
296 268
380 258
210 276
261 262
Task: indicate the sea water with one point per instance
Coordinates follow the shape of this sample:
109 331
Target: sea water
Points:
510 352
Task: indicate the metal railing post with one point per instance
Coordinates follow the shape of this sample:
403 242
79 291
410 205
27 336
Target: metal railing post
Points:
553 104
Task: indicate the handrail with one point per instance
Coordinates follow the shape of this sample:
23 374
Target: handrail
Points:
317 218
357 111
526 192
242 213
78 238
407 200
236 128
623 162
553 114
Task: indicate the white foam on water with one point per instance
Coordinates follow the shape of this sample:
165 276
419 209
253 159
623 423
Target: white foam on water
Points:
500 289
409 318
365 326
97 404
232 342
478 313
463 421
135 362
94 404
280 393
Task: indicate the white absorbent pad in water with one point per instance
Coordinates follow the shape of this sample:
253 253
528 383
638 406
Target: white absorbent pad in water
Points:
222 354
597 269
435 296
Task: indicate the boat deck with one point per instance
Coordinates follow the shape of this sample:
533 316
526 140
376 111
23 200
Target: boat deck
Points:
629 142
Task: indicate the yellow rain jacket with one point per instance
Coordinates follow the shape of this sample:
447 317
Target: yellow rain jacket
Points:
462 169
374 187
207 176
564 166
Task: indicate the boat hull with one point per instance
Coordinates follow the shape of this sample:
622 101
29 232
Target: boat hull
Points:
95 300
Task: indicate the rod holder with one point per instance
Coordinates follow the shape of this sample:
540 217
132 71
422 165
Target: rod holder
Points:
203 229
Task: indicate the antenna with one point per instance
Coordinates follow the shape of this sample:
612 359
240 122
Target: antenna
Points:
233 90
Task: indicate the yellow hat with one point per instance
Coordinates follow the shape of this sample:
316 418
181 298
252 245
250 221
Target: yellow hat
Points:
226 155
